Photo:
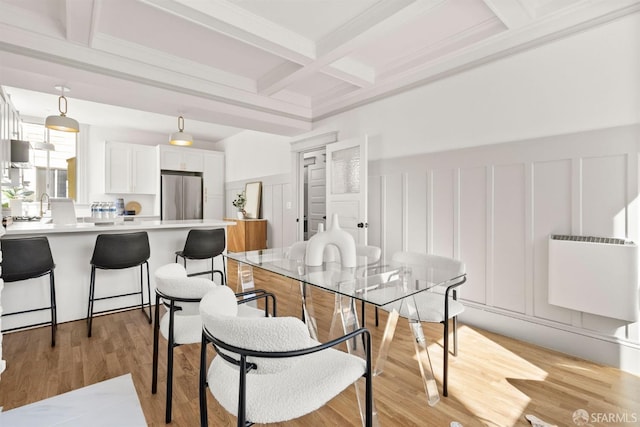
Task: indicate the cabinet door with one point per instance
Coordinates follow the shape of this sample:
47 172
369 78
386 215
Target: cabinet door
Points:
213 183
192 160
145 170
118 168
171 159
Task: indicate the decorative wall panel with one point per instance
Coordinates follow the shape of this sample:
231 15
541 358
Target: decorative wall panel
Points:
473 231
508 237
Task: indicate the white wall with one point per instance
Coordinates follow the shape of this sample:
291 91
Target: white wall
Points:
251 154
493 205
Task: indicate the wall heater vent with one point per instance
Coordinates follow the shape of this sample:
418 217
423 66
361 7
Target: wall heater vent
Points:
596 275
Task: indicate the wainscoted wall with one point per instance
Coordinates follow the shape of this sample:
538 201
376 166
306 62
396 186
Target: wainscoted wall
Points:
276 207
495 206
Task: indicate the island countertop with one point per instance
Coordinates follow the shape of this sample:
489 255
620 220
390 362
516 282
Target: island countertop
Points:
118 225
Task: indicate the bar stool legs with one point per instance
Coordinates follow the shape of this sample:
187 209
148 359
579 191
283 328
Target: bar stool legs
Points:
92 297
117 252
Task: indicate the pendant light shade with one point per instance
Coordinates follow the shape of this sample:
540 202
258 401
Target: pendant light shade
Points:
181 137
62 122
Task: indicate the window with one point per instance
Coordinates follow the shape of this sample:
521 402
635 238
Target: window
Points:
50 172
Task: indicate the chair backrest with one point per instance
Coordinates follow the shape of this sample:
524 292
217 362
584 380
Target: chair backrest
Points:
296 251
172 281
121 250
372 253
25 258
430 260
203 244
219 311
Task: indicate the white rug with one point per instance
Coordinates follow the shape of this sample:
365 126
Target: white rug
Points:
109 403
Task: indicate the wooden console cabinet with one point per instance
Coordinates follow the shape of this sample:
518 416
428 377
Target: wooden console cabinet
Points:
246 235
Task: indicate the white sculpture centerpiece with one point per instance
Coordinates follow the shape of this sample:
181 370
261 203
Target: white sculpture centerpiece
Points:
334 236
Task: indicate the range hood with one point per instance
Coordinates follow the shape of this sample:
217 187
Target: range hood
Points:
20 154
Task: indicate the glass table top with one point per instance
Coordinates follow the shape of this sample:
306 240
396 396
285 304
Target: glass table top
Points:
375 284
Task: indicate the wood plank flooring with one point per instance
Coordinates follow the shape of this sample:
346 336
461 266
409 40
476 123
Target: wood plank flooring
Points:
494 381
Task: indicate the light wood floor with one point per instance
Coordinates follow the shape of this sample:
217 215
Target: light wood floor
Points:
494 381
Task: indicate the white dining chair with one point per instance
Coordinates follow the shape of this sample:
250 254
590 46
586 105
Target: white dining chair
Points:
269 370
181 324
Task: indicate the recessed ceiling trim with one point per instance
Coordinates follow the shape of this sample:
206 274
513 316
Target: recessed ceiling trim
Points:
452 44
351 71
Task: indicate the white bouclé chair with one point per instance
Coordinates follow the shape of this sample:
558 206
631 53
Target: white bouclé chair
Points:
181 323
269 370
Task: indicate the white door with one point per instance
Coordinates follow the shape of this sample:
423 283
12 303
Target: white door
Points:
316 193
347 186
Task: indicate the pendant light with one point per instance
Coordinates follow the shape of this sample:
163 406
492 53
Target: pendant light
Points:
62 122
181 137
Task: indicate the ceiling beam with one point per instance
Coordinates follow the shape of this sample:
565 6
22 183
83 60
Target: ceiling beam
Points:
510 12
80 20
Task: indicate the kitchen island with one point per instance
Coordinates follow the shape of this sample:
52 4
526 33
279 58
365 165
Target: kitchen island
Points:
72 248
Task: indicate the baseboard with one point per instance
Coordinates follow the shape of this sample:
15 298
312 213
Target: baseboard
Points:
587 345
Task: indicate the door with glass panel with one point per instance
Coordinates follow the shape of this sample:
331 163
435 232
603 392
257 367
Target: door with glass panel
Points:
347 186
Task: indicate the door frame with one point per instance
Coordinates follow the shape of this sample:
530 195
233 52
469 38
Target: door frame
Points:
298 149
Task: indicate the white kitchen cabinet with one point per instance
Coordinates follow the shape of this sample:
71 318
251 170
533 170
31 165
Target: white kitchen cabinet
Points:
130 168
213 185
181 159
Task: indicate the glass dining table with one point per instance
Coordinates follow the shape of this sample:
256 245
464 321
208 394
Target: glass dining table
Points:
389 286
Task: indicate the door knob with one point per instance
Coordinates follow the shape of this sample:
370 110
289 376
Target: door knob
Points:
362 225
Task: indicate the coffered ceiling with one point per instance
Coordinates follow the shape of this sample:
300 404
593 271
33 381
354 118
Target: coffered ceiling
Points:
268 65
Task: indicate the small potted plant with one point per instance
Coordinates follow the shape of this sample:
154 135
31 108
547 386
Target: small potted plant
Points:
239 202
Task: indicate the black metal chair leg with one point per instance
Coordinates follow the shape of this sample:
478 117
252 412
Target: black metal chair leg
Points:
156 332
149 316
54 315
204 418
224 269
170 346
455 335
91 298
445 360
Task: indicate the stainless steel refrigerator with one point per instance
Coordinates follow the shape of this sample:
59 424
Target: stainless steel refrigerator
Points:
181 196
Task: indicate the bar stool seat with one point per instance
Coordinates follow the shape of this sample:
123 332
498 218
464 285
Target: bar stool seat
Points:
29 258
115 252
205 244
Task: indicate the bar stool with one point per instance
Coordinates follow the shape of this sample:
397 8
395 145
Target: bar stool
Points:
115 252
205 244
29 258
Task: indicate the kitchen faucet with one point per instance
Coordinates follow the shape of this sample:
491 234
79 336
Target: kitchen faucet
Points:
48 203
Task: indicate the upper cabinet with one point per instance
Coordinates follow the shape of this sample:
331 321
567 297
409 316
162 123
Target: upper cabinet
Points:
131 168
181 159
